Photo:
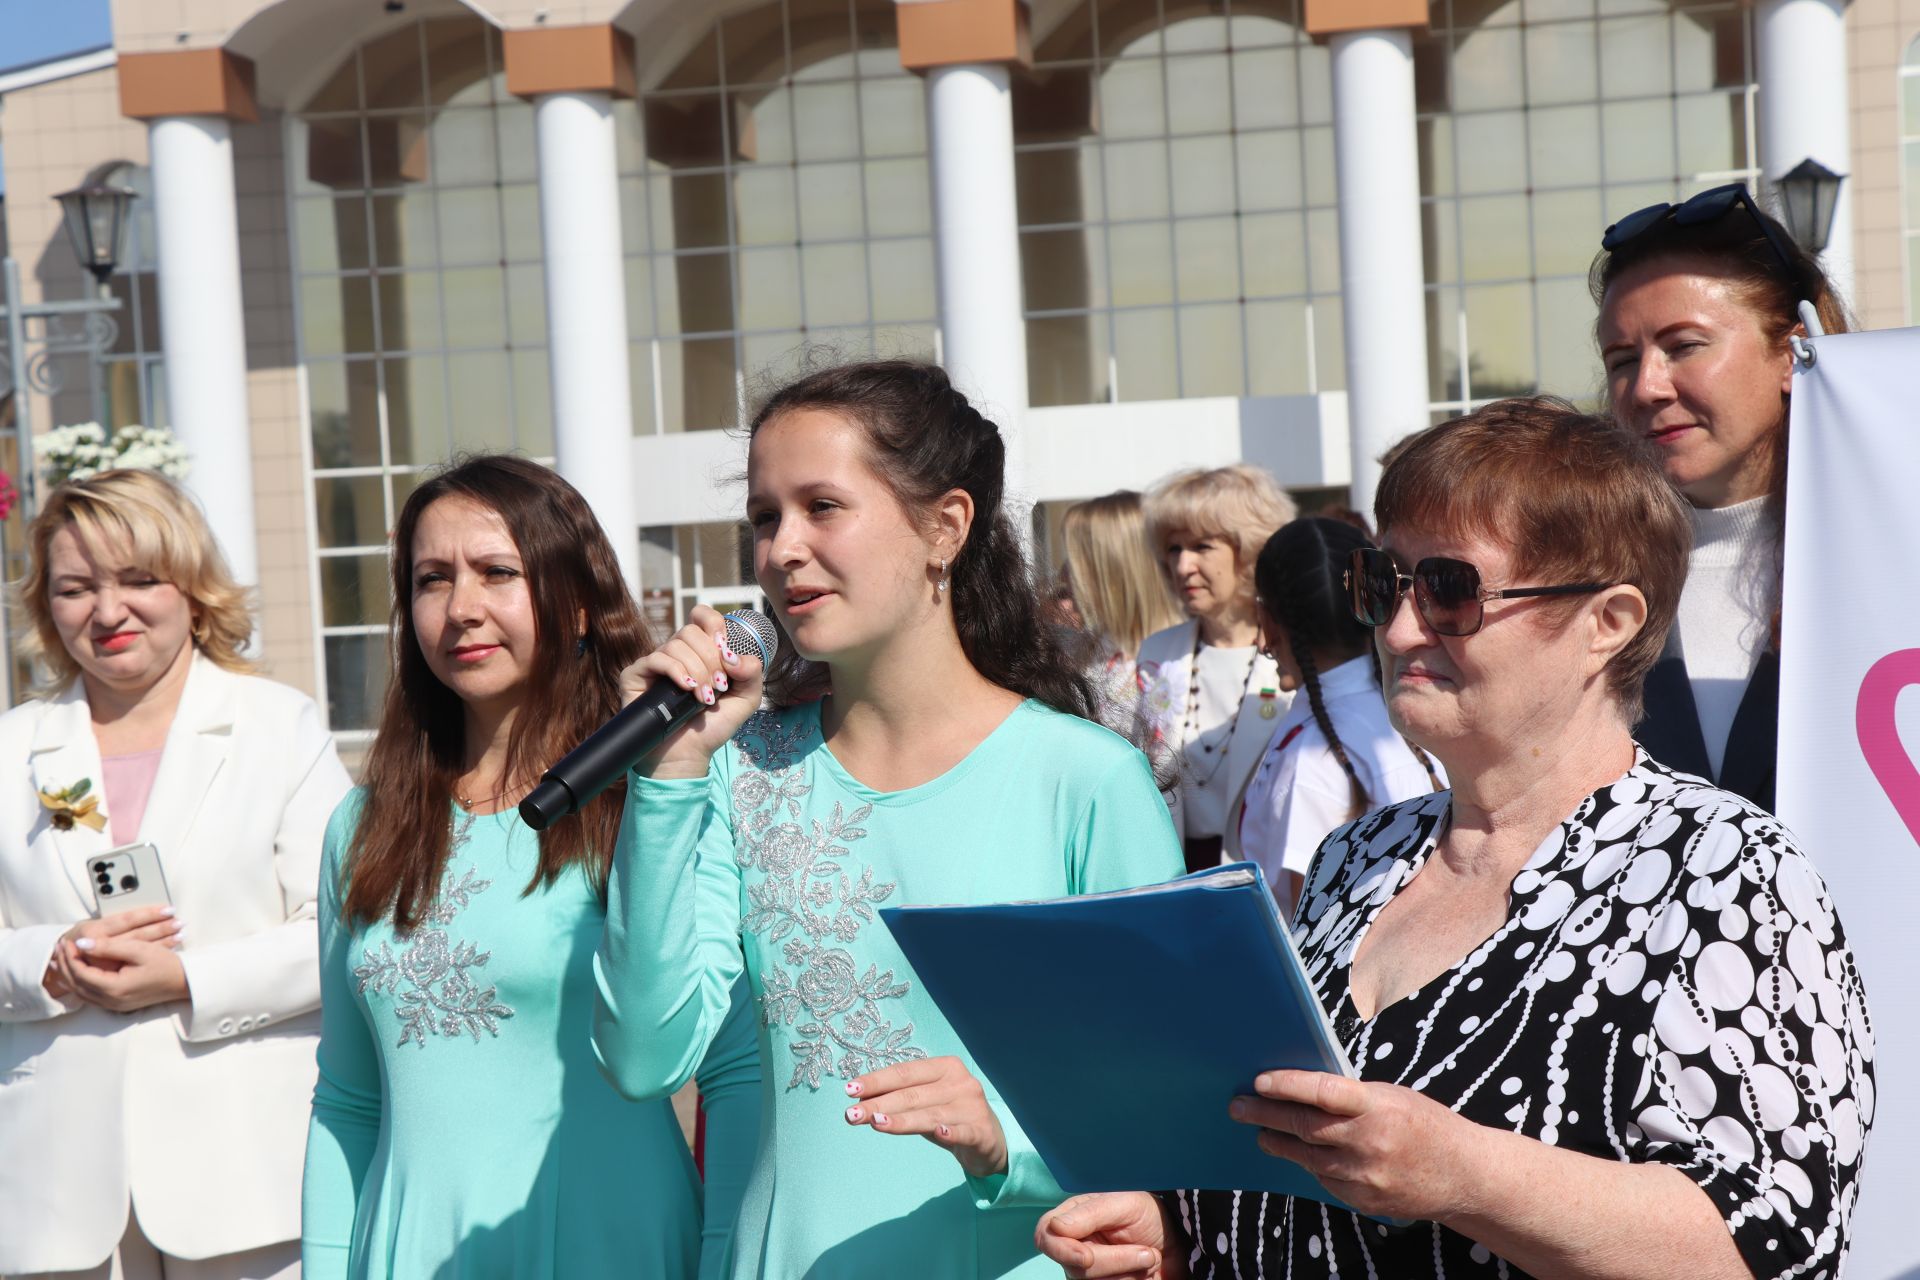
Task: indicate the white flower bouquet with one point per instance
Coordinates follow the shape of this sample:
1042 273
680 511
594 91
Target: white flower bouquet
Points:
85 449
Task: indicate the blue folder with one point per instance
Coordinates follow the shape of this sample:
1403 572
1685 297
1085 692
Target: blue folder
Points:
1118 1026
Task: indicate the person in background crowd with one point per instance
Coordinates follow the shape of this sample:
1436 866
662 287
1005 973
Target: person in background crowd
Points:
1604 1015
1121 597
1212 697
155 1063
460 1126
1697 304
927 742
1335 755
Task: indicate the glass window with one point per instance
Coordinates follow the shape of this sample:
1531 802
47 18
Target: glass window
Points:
1564 115
789 148
1191 154
422 307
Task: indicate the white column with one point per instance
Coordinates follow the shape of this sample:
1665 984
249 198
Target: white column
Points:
587 310
1383 298
202 331
1801 51
977 248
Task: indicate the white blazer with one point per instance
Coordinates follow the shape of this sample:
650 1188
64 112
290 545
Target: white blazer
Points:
197 1112
1166 669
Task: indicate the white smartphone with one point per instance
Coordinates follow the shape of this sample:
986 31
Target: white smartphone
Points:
128 877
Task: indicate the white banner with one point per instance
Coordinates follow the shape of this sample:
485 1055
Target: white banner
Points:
1849 788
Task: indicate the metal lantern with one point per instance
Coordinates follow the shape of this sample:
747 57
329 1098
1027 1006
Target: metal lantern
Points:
96 217
1808 194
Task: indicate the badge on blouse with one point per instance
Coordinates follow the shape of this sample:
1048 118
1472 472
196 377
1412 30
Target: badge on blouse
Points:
1268 707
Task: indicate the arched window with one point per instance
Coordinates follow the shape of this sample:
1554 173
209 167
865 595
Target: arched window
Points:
1540 122
1910 175
421 309
776 196
1176 189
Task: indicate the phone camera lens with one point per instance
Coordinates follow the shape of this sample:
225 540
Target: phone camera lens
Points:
100 868
129 883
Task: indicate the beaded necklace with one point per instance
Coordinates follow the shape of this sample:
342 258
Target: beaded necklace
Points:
1190 724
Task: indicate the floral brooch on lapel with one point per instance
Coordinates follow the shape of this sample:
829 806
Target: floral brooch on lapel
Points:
74 805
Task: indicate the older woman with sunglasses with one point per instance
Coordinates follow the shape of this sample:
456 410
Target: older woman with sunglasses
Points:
1603 1015
1697 312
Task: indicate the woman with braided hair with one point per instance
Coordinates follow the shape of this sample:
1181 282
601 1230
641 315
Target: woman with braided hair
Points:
1334 756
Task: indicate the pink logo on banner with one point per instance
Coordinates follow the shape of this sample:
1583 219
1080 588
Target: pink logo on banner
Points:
1880 735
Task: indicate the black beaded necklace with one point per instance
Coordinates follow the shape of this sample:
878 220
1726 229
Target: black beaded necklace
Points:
1190 723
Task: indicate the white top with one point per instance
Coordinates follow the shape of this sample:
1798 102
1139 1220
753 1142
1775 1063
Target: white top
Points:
1726 611
1235 715
1299 794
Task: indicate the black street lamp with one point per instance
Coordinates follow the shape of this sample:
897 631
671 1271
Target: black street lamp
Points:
1808 194
96 218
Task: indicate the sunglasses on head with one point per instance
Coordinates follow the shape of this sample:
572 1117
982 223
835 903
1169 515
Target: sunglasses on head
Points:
1447 592
1708 206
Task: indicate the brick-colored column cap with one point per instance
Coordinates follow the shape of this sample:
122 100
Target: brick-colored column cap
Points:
187 82
596 58
945 33
1332 17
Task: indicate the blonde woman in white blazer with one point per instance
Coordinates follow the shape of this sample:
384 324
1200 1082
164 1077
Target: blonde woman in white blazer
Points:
156 1066
1212 697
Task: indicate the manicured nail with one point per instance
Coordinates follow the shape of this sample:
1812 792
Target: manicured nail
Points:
945 1132
166 911
720 681
853 1088
880 1120
853 1115
706 696
732 659
690 682
85 944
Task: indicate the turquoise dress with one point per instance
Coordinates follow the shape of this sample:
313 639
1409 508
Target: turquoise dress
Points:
773 866
461 1128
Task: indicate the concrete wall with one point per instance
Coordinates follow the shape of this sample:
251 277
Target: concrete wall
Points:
1878 32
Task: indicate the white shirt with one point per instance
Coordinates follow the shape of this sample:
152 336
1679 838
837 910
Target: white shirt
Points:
1726 611
1299 794
1233 718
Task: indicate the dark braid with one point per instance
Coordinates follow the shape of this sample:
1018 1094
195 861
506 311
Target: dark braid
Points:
1299 580
926 439
1310 677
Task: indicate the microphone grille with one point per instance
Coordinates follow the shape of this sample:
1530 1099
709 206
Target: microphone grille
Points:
750 631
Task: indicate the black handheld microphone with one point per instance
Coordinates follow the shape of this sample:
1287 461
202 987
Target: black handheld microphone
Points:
635 730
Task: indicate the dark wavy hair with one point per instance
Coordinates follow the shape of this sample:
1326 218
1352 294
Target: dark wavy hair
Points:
1300 578
925 439
403 840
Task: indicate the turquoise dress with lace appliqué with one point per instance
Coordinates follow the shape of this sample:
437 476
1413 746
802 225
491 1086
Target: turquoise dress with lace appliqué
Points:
773 866
461 1127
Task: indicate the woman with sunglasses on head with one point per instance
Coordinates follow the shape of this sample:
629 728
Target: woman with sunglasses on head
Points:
1210 695
460 1126
927 742
1603 1014
1697 306
1335 755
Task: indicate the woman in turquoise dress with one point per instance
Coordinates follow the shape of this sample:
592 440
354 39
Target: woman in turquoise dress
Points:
926 741
460 1125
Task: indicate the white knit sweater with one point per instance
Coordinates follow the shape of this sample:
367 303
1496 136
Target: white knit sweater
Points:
1726 611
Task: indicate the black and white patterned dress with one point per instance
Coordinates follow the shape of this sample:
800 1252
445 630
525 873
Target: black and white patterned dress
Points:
1671 984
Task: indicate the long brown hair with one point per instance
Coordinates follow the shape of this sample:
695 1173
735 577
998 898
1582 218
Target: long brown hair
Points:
403 840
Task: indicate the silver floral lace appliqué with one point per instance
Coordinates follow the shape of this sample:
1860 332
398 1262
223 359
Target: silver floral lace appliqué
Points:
440 995
809 901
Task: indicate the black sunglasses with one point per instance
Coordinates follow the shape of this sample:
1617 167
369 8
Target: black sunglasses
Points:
1708 206
1447 592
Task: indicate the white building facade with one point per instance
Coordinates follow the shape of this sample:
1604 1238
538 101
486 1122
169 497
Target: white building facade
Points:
1145 234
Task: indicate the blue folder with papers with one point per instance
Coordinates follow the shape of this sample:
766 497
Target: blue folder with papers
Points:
1118 1026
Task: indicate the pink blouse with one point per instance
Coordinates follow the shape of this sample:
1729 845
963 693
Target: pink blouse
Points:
126 782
